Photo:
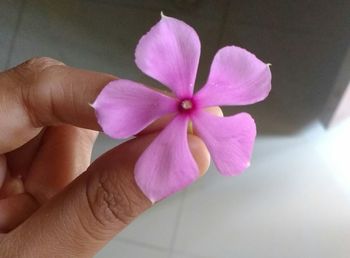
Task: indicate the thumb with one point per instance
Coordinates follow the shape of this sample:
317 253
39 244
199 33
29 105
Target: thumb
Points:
95 207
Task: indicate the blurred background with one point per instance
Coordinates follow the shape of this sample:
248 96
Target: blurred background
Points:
294 200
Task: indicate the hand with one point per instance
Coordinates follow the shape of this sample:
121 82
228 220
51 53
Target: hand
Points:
53 203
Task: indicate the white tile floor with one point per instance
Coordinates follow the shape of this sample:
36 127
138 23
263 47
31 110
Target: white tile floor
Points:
294 201
290 203
130 250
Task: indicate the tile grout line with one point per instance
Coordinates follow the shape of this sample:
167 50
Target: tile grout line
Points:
176 225
144 245
153 247
14 36
179 213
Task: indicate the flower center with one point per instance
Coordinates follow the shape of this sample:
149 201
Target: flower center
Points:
186 106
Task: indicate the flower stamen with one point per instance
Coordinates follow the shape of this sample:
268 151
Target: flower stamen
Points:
186 104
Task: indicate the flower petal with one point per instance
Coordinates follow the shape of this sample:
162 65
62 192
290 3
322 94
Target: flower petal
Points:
167 165
237 77
123 108
229 140
169 53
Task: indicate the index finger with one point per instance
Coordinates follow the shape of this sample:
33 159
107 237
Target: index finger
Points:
53 93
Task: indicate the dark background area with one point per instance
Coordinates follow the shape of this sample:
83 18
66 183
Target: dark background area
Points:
305 41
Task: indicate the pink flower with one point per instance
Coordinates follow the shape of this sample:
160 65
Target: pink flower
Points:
169 53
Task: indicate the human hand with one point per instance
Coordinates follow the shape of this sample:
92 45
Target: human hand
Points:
53 203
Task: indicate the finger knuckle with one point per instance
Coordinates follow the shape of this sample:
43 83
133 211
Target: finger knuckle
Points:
33 77
41 63
29 71
112 199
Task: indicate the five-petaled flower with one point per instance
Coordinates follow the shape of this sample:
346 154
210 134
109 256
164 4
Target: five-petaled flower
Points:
169 53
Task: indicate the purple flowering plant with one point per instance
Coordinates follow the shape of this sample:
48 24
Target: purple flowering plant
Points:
169 53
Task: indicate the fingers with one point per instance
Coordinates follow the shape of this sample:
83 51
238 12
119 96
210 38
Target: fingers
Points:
15 209
10 185
65 152
3 169
20 160
60 94
98 205
42 92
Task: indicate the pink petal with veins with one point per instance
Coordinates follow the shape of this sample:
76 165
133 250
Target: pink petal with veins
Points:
167 165
229 140
169 53
123 108
237 77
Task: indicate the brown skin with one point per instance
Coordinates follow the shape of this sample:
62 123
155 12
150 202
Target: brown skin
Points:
53 203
